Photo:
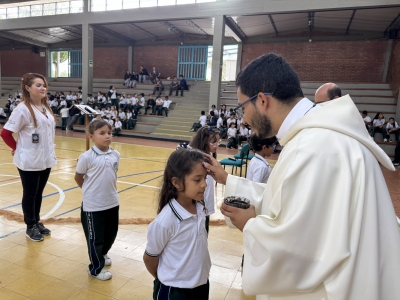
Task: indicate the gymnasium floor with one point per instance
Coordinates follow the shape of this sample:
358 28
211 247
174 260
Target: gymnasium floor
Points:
56 268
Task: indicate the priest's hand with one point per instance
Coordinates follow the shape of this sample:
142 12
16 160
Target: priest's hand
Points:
215 169
238 216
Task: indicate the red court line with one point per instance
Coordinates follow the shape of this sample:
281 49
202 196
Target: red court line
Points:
9 179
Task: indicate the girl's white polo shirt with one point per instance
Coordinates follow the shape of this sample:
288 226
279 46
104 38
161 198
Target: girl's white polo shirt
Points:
99 190
31 156
180 240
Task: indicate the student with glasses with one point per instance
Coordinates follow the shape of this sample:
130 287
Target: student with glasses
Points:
323 227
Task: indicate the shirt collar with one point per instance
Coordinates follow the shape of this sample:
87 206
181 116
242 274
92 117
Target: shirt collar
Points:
299 110
260 157
180 212
98 151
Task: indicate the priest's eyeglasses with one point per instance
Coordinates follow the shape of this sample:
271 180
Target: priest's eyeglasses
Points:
239 111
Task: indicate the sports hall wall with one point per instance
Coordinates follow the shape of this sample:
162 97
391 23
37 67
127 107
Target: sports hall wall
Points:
341 61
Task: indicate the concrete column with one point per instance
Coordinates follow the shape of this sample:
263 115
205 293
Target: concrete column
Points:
48 63
86 5
239 58
217 60
87 60
130 58
387 60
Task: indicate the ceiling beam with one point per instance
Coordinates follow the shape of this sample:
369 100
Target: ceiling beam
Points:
273 24
395 24
172 28
46 35
193 11
72 32
350 21
20 38
115 35
142 30
196 27
235 29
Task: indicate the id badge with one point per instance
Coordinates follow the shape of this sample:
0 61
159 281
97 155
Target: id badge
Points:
35 138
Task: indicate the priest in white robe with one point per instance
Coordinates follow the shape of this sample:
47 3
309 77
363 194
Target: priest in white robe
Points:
323 227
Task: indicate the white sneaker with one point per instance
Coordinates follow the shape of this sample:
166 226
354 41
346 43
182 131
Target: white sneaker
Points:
103 275
385 140
107 261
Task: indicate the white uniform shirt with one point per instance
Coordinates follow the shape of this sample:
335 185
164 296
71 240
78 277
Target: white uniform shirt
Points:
244 131
203 120
209 198
229 121
128 101
220 122
118 124
259 169
63 102
122 115
180 240
111 122
99 189
232 132
167 103
367 119
122 100
160 101
64 112
31 156
142 101
392 126
134 100
54 103
379 122
68 97
215 112
113 94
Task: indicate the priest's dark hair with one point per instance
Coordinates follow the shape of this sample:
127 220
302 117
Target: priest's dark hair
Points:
270 73
179 165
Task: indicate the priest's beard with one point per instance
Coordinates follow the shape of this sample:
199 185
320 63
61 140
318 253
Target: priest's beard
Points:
262 125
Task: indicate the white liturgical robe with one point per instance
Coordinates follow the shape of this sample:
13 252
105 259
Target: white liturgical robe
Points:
325 225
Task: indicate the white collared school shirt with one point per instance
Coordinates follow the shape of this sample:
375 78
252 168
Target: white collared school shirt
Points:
99 189
259 169
179 239
31 156
167 103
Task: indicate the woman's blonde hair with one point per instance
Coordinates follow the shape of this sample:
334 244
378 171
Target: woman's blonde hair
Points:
27 80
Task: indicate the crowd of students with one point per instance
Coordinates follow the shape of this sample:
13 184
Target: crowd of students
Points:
379 124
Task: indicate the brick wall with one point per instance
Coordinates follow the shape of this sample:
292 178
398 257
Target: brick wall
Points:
163 57
346 61
394 68
110 62
15 63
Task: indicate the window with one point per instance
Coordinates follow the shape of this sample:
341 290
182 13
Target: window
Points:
126 4
202 1
76 7
62 8
185 1
148 3
49 9
98 5
12 12
3 13
24 11
114 5
166 2
36 10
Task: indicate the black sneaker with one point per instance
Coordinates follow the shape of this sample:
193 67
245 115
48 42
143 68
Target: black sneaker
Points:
34 234
43 230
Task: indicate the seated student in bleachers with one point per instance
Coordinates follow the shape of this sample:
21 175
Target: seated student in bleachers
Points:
132 81
223 110
232 140
63 102
7 109
54 106
122 101
150 104
213 109
97 117
201 123
159 105
213 120
131 119
243 134
50 96
90 100
378 125
100 100
134 101
74 96
158 86
96 108
182 85
14 105
122 117
113 113
117 127
259 169
221 125
111 122
140 104
231 119
174 86
127 78
367 120
392 128
143 74
11 98
154 75
165 106
103 112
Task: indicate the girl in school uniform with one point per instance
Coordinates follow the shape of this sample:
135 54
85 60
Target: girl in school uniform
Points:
176 253
259 169
96 174
207 140
33 153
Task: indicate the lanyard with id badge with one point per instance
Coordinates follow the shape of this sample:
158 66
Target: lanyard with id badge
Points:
35 137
